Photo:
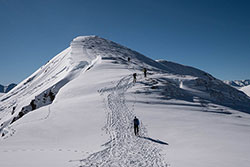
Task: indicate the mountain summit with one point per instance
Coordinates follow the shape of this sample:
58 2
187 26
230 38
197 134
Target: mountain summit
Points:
78 109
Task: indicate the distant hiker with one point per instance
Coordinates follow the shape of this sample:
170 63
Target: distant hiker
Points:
128 59
145 72
136 126
134 76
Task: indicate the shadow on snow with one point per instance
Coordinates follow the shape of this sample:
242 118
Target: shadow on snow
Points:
154 140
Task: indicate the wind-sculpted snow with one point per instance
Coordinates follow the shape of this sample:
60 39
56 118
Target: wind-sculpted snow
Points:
34 91
124 148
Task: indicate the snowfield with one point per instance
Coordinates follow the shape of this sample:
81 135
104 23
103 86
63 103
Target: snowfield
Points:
246 90
78 110
1 94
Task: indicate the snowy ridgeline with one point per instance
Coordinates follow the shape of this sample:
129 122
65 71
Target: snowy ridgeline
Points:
42 86
238 83
89 88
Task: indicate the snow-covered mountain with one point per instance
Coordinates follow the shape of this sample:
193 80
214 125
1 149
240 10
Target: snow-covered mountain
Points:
183 70
78 109
238 83
246 90
242 85
6 89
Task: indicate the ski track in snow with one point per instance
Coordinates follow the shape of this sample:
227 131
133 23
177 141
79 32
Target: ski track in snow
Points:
124 148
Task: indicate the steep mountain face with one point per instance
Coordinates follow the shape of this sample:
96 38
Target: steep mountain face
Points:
83 101
238 83
6 89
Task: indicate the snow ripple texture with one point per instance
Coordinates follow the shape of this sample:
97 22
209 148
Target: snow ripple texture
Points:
124 149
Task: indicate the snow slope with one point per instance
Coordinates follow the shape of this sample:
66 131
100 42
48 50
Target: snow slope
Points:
1 94
246 90
242 85
183 70
185 117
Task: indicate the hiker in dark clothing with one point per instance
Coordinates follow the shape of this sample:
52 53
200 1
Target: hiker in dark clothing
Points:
136 126
134 76
145 72
128 58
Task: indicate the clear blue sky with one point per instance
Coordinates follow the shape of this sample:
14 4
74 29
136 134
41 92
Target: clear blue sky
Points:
212 35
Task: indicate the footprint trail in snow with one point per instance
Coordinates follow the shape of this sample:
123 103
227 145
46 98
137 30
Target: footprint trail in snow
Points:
124 148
